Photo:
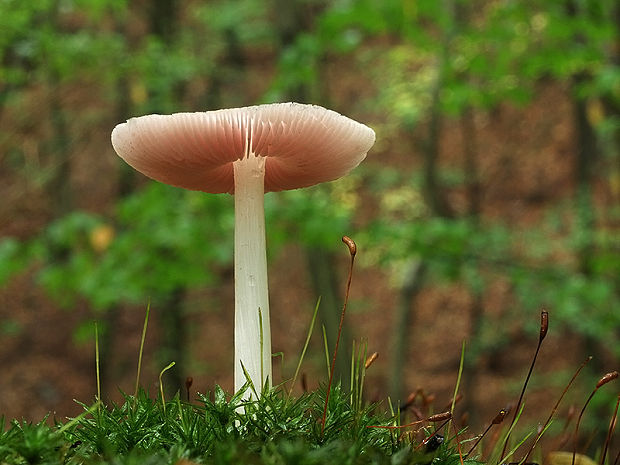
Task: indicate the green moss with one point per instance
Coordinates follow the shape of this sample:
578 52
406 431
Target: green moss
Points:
220 429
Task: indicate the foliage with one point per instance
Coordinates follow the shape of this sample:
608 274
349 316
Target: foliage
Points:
467 251
315 216
462 50
13 258
36 43
161 239
480 59
416 60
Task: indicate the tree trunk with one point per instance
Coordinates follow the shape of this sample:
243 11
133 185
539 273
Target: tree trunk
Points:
476 310
472 172
107 373
59 186
174 335
231 66
434 198
413 283
326 285
290 21
163 16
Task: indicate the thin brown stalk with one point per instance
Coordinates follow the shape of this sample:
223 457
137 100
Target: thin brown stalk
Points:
428 438
352 251
458 443
544 326
601 382
612 426
444 416
555 408
496 421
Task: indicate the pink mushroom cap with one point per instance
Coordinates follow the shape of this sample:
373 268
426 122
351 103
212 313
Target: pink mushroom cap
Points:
302 144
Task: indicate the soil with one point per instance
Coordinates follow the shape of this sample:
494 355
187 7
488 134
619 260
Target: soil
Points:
526 165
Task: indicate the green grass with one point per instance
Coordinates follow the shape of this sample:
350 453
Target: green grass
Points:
219 429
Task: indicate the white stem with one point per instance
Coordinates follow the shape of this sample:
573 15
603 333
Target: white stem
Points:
251 274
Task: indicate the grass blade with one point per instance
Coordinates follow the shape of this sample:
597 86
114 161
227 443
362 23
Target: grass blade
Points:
303 352
142 339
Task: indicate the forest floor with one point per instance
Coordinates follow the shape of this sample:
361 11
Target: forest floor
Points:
526 156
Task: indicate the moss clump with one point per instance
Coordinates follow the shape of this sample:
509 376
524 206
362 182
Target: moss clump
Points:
219 429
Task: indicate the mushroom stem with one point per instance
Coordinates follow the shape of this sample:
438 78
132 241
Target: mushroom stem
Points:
251 275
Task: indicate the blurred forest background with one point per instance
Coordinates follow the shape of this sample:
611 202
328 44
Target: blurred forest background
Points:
493 191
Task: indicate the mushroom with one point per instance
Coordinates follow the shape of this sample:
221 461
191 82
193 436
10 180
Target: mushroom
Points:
246 152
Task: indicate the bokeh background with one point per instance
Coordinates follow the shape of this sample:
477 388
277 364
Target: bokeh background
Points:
493 191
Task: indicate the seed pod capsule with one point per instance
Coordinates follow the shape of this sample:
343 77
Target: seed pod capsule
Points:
350 244
500 417
606 379
440 417
544 324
